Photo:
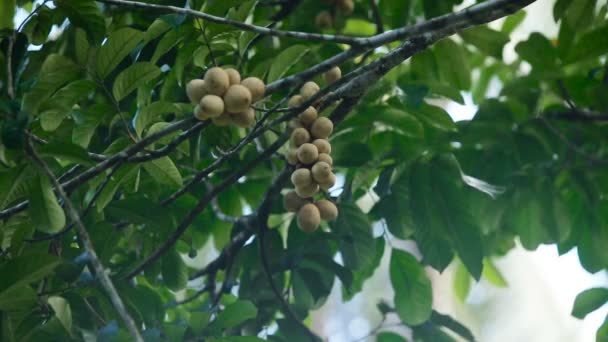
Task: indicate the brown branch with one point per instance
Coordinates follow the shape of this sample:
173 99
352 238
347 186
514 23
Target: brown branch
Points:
85 239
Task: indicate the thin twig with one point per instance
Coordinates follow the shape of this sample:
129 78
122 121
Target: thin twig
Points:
84 237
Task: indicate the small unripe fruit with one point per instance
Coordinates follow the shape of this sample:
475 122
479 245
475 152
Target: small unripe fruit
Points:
322 145
327 209
237 98
329 184
199 114
294 124
300 136
307 190
295 101
321 172
309 218
292 202
321 128
234 77
212 106
324 20
291 156
216 81
309 89
301 177
333 75
256 86
244 119
308 116
345 7
222 120
195 90
324 157
308 154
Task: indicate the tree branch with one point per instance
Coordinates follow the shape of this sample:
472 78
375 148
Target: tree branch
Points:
84 237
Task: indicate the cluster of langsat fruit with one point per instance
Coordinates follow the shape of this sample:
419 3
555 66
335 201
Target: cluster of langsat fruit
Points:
222 97
325 19
310 153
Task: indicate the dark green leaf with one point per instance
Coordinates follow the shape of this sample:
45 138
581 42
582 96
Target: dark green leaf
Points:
119 44
47 216
589 301
356 241
488 41
133 77
284 61
413 292
174 271
86 15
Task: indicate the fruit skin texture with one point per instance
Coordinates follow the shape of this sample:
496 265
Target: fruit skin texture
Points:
324 157
244 119
222 120
308 116
294 124
237 98
256 86
309 218
321 172
198 113
195 90
216 81
325 186
300 136
309 89
333 75
292 157
301 177
327 209
292 202
308 190
234 77
322 145
308 153
212 106
295 101
324 20
345 7
322 128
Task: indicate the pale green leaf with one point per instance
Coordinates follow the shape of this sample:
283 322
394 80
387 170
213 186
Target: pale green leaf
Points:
133 77
164 171
47 216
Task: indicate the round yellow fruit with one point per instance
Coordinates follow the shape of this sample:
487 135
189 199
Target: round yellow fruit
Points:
295 101
308 116
345 7
308 190
222 120
321 172
324 157
325 186
216 81
309 89
195 90
292 202
324 20
300 136
322 145
234 77
212 106
327 209
309 218
256 86
301 177
291 156
332 75
237 98
294 124
308 153
321 128
244 119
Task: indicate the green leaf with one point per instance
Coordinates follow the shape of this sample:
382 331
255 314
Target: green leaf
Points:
87 122
513 21
360 276
118 45
86 15
527 220
492 274
390 207
124 174
453 64
25 269
63 312
141 210
413 292
81 47
12 185
356 243
47 216
151 112
133 77
174 271
389 337
235 314
592 44
462 282
164 171
434 116
589 301
539 52
488 41
285 60
65 151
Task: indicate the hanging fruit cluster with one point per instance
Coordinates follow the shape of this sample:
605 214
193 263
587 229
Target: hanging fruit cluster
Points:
310 152
222 97
325 19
